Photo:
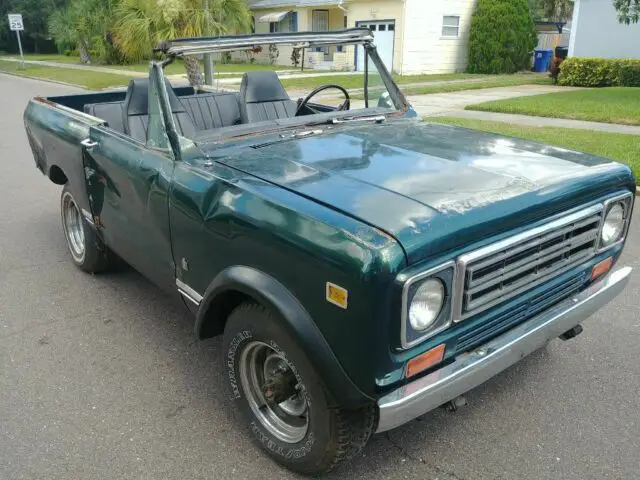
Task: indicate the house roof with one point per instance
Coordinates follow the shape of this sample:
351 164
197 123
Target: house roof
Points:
258 4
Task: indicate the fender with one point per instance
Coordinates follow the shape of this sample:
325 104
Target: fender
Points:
270 292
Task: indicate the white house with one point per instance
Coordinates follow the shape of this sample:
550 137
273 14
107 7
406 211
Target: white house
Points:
596 32
412 36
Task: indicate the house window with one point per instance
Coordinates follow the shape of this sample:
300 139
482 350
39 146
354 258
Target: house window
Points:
288 24
320 20
450 25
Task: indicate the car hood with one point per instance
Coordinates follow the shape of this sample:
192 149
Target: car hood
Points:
433 187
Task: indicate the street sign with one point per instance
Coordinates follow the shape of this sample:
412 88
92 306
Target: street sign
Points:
16 25
15 22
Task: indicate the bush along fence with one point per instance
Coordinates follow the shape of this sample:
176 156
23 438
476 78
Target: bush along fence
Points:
599 72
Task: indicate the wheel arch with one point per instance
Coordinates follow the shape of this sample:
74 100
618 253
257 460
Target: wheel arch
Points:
238 284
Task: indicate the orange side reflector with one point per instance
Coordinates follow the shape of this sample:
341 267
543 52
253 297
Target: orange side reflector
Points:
601 268
426 360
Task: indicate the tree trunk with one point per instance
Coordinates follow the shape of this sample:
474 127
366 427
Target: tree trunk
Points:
192 66
84 52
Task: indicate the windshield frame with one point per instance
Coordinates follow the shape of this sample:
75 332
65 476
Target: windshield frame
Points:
355 36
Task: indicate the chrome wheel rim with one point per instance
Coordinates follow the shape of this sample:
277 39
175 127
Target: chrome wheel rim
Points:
288 420
73 228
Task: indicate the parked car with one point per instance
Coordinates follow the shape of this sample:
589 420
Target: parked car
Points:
364 267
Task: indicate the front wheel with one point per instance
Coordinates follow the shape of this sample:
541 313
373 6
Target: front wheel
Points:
86 249
282 399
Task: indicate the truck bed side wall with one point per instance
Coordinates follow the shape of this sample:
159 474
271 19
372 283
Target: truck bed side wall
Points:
54 134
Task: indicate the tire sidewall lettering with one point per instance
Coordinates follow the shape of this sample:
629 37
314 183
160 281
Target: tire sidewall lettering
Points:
236 392
278 449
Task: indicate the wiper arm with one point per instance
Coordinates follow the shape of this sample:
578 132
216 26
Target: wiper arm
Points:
376 119
350 119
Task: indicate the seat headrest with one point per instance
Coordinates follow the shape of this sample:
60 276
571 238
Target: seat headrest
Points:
136 101
262 86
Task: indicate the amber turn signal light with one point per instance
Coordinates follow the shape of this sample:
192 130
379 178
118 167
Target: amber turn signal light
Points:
426 360
601 268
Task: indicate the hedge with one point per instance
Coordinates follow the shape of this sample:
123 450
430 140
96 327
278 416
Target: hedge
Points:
502 36
599 72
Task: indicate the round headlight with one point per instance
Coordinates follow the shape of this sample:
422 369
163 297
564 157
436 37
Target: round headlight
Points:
426 304
613 225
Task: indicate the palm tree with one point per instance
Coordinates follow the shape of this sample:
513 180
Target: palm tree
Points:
141 24
81 25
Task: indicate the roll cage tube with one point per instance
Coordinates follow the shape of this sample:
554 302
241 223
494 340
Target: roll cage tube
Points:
395 93
366 78
156 75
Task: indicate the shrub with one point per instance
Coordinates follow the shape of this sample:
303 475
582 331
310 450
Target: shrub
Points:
502 37
630 75
599 72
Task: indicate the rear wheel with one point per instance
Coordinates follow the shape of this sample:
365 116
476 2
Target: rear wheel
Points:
86 249
282 399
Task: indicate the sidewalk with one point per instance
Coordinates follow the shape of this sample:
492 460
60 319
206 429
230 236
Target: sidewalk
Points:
453 102
543 121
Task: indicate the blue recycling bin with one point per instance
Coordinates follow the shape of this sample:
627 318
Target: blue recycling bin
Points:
542 59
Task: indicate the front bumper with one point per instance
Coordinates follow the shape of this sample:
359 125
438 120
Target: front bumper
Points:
471 369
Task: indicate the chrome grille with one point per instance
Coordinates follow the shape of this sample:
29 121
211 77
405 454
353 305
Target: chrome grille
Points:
519 313
508 268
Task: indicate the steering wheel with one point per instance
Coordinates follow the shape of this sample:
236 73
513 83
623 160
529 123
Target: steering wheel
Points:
344 106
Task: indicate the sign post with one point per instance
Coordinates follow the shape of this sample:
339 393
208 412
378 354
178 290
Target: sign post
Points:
16 25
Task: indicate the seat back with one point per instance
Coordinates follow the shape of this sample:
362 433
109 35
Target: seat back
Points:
212 110
110 112
262 97
136 110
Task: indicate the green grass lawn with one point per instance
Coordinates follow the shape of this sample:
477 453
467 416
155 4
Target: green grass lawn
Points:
616 146
177 67
611 105
491 82
83 78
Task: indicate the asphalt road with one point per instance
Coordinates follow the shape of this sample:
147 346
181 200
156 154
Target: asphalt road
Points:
102 376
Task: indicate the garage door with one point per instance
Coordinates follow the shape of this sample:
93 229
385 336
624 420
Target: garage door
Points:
383 31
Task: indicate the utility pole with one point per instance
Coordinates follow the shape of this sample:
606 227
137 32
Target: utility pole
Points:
208 57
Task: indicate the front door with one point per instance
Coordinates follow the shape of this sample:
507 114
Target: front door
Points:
128 183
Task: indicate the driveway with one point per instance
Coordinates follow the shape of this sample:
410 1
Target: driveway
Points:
102 376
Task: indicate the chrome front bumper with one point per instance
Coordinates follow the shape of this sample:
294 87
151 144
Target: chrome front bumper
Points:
471 369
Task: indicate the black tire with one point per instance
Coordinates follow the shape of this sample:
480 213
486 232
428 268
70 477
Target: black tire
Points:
332 434
87 251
